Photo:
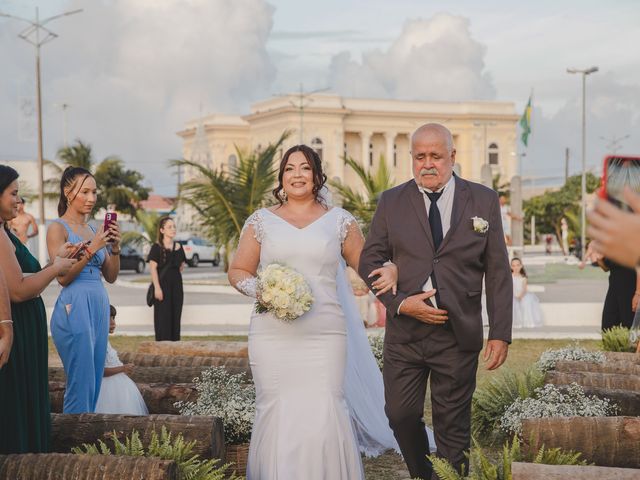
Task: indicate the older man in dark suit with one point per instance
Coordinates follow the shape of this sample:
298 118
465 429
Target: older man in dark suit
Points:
445 235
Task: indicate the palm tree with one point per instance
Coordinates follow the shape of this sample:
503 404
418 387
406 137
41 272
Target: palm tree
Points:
363 206
149 222
224 200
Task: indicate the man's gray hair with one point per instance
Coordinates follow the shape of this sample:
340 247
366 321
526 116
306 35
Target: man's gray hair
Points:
435 127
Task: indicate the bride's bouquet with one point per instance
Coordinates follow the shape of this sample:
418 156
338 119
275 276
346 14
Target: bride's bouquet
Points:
283 292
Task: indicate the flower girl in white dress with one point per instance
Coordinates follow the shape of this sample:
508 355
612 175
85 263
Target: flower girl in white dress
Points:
118 393
526 306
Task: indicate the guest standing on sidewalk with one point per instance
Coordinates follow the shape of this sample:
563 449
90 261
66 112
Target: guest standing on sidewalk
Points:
166 260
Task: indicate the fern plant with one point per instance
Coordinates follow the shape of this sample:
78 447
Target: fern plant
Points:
617 339
484 468
164 446
494 396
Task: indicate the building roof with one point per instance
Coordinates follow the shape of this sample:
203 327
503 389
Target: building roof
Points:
158 203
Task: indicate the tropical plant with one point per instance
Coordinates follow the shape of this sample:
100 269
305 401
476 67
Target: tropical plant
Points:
550 207
149 222
190 466
363 205
617 339
377 348
224 200
502 188
484 468
493 398
116 185
231 397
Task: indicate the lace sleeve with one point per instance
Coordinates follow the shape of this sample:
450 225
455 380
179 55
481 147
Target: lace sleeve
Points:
347 223
255 220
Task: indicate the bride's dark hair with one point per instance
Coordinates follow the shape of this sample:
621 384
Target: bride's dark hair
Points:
319 178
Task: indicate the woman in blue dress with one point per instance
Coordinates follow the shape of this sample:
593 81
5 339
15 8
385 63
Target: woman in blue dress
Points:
80 320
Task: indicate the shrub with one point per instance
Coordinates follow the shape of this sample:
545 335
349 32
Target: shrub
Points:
553 401
549 358
377 345
617 339
494 396
483 468
231 397
190 467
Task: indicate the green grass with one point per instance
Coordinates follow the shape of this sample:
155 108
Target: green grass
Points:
522 354
553 272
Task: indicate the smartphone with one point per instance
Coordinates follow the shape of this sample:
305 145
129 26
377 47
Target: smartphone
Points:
620 172
109 218
76 253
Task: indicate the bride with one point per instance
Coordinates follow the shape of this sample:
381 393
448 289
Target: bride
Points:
319 395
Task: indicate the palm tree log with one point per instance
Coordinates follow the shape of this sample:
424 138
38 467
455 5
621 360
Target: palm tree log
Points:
537 471
60 466
608 367
68 431
623 357
159 397
158 374
605 441
196 347
160 360
612 381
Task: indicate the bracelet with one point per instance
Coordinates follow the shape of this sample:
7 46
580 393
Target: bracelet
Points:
115 252
89 251
6 321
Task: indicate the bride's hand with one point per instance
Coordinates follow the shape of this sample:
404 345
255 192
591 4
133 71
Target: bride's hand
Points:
387 279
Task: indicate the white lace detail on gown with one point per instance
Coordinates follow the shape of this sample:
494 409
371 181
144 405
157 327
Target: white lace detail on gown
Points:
346 223
255 220
112 359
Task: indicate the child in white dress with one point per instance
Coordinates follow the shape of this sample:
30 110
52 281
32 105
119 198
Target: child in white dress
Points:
118 394
526 306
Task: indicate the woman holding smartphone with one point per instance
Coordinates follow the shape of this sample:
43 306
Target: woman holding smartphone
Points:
80 320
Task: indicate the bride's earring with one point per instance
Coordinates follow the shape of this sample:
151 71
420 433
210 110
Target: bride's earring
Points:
283 196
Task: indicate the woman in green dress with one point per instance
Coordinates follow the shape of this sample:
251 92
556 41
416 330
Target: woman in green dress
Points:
25 421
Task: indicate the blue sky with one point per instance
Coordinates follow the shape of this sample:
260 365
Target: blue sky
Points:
134 71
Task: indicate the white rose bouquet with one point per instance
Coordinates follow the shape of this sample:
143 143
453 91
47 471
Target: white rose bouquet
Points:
283 292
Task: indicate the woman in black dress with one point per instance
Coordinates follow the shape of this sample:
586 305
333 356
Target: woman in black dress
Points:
622 297
167 260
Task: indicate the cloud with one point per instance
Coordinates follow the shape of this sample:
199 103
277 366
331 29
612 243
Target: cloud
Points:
133 71
434 59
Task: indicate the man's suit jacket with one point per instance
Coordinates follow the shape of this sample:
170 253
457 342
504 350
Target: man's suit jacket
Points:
400 232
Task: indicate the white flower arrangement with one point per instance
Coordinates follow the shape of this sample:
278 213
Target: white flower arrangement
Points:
376 341
480 225
231 397
553 401
283 292
549 358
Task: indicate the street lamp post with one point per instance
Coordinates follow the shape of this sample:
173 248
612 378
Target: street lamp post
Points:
583 219
32 34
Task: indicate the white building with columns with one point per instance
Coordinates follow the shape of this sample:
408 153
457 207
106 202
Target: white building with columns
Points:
364 129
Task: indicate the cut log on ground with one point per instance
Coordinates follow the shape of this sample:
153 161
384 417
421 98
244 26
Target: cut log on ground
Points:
68 431
611 381
159 397
196 347
628 402
156 374
605 441
155 360
608 367
623 357
537 471
59 466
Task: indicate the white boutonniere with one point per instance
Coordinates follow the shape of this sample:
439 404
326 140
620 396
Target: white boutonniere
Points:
480 225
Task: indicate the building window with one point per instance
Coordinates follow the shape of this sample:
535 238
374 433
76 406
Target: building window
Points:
395 155
233 162
493 154
371 154
316 145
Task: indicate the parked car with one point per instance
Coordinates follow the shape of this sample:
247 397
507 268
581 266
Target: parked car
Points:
197 250
132 259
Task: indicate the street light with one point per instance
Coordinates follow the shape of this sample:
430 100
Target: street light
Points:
613 142
583 220
31 34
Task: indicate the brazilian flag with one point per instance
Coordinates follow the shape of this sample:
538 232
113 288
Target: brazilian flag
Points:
525 123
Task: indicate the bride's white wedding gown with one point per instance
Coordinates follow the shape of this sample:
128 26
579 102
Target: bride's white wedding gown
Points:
302 428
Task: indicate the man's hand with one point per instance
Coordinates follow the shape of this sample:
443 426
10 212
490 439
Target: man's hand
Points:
415 306
495 353
615 233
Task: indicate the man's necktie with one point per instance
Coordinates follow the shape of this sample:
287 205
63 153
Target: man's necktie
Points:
435 222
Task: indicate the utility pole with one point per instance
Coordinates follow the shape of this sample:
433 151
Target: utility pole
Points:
566 164
37 35
65 131
300 105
